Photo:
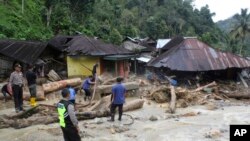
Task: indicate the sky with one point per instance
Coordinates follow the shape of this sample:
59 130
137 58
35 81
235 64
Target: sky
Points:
223 8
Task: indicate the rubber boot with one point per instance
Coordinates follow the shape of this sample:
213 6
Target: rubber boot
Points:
33 102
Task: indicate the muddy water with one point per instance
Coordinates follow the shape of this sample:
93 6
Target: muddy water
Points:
192 128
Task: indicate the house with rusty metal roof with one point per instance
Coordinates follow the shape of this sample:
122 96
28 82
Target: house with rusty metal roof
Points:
193 55
84 52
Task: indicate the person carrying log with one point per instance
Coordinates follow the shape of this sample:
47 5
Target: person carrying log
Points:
67 118
94 71
86 87
117 99
16 81
31 79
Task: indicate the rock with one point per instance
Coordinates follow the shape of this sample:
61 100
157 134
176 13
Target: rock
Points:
153 118
181 103
99 121
112 130
211 106
214 133
190 114
130 135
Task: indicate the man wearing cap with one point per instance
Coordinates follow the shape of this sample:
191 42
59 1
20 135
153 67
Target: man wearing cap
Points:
67 118
16 81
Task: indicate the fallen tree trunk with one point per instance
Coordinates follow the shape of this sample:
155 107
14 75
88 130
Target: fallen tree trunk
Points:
107 89
173 100
206 86
54 86
238 96
26 113
110 81
15 122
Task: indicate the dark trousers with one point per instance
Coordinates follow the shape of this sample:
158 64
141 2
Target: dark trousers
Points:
113 108
18 96
70 134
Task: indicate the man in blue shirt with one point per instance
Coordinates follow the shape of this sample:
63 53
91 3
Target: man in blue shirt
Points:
86 87
72 96
117 98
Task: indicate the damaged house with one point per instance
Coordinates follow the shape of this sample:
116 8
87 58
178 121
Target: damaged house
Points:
13 51
184 56
143 48
83 52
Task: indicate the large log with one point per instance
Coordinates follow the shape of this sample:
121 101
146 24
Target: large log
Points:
173 100
107 89
206 86
15 122
238 96
39 93
54 86
110 81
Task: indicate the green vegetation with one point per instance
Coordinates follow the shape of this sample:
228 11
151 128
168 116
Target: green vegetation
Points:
110 20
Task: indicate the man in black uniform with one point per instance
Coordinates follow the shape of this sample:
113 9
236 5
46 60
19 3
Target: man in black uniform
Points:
67 117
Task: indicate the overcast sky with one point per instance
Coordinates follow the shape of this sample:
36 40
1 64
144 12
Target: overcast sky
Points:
223 8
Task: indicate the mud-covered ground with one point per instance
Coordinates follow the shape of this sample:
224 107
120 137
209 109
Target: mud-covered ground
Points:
203 124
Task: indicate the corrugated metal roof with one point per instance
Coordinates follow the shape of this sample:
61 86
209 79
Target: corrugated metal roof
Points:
132 46
24 51
83 45
162 42
194 55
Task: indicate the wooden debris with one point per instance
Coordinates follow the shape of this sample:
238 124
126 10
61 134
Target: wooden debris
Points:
238 96
107 89
26 113
24 119
53 76
208 85
110 81
242 80
173 100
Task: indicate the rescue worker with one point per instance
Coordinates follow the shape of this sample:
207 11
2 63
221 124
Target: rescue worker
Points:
86 87
72 92
67 118
31 79
117 99
16 81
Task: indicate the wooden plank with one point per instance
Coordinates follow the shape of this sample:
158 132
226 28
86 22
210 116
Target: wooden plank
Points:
242 80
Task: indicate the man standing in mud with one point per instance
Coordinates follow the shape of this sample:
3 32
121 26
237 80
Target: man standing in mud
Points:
16 81
31 79
67 118
117 99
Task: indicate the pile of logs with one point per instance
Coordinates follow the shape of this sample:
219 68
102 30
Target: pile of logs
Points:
46 114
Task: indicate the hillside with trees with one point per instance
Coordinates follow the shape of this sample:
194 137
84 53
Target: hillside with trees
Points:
110 20
237 29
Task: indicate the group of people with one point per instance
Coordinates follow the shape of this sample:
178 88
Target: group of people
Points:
66 111
15 84
66 106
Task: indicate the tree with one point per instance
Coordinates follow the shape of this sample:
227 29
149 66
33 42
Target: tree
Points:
242 28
